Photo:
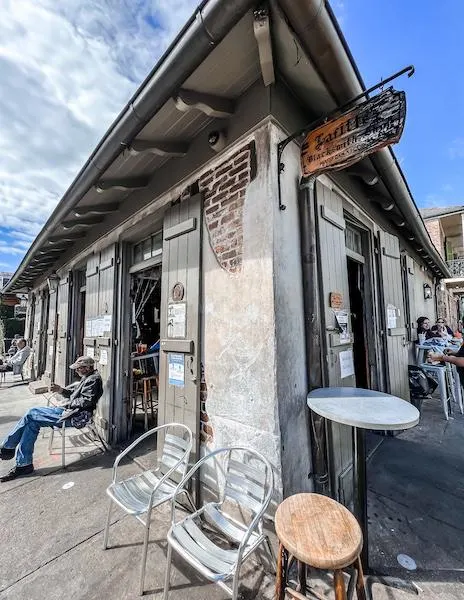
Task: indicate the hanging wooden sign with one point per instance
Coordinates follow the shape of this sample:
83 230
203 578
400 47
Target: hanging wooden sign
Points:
362 130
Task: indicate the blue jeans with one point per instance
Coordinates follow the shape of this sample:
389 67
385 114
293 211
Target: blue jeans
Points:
25 433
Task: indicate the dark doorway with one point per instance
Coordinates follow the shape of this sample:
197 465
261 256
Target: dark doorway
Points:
360 351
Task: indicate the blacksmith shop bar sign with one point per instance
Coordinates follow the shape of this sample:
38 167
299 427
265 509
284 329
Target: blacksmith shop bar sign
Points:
350 132
343 141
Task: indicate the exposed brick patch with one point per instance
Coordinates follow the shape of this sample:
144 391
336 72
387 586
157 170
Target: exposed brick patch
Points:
206 431
224 195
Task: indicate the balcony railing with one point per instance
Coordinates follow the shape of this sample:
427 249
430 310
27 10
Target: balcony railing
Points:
456 267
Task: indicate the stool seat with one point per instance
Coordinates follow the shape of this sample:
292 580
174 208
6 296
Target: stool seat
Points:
318 531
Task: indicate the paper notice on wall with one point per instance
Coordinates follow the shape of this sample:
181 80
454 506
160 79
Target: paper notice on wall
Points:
88 328
106 324
346 363
103 357
176 369
90 351
342 321
177 312
391 316
50 351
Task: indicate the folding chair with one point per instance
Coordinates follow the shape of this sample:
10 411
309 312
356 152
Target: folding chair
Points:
89 430
248 485
140 494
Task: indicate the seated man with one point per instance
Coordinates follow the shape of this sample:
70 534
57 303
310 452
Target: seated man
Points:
16 362
75 411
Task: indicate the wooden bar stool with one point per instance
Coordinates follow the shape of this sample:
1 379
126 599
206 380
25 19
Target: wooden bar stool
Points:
317 532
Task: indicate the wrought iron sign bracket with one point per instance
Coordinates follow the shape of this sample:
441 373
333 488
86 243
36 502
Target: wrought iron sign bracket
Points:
321 120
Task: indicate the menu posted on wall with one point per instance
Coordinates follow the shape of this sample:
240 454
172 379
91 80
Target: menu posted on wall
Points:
362 130
176 369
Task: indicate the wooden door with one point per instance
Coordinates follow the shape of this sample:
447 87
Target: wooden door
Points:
179 397
99 328
63 337
51 335
334 280
394 326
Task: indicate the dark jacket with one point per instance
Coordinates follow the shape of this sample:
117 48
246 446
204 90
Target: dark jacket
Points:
83 398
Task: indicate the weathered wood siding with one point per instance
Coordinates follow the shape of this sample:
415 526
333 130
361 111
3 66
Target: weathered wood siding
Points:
396 338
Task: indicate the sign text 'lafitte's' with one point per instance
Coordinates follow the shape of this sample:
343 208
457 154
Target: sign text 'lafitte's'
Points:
343 141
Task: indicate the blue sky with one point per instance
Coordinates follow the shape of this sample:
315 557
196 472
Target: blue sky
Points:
387 36
67 69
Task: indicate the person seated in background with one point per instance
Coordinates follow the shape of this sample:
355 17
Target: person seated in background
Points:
80 402
443 323
423 327
12 349
438 331
16 362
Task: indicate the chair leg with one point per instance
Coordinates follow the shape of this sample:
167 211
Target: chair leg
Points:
235 583
360 583
107 528
144 555
50 441
167 578
270 554
63 446
339 585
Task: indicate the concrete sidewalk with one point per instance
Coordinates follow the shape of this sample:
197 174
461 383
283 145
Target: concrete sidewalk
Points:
52 524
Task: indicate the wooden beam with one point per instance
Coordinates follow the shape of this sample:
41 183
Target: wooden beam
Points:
82 222
213 106
95 209
131 183
172 149
67 238
262 31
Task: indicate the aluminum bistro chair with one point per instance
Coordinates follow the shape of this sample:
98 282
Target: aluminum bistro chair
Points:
140 494
248 485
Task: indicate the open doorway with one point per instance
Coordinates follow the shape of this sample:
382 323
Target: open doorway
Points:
145 305
356 293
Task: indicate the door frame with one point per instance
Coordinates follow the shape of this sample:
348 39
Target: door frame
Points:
366 259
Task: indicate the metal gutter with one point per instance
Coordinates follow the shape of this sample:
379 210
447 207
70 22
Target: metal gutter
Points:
208 26
319 33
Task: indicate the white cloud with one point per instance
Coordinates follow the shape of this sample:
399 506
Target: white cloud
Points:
66 71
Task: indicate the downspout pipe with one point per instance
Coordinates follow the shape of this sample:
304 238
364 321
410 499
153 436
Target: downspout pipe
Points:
320 36
211 22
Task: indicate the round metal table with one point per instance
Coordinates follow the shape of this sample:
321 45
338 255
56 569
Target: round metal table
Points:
362 409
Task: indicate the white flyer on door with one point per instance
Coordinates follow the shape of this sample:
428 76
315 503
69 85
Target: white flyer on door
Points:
104 357
346 363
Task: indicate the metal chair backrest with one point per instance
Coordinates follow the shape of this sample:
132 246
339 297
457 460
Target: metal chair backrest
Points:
248 479
176 451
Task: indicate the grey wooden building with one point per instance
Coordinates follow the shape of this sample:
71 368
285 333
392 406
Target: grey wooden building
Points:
182 192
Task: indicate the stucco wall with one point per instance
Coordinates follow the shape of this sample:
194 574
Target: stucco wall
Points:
239 348
292 387
422 307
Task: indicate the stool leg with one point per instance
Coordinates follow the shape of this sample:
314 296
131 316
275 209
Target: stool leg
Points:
145 405
360 584
281 576
339 585
301 578
151 404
